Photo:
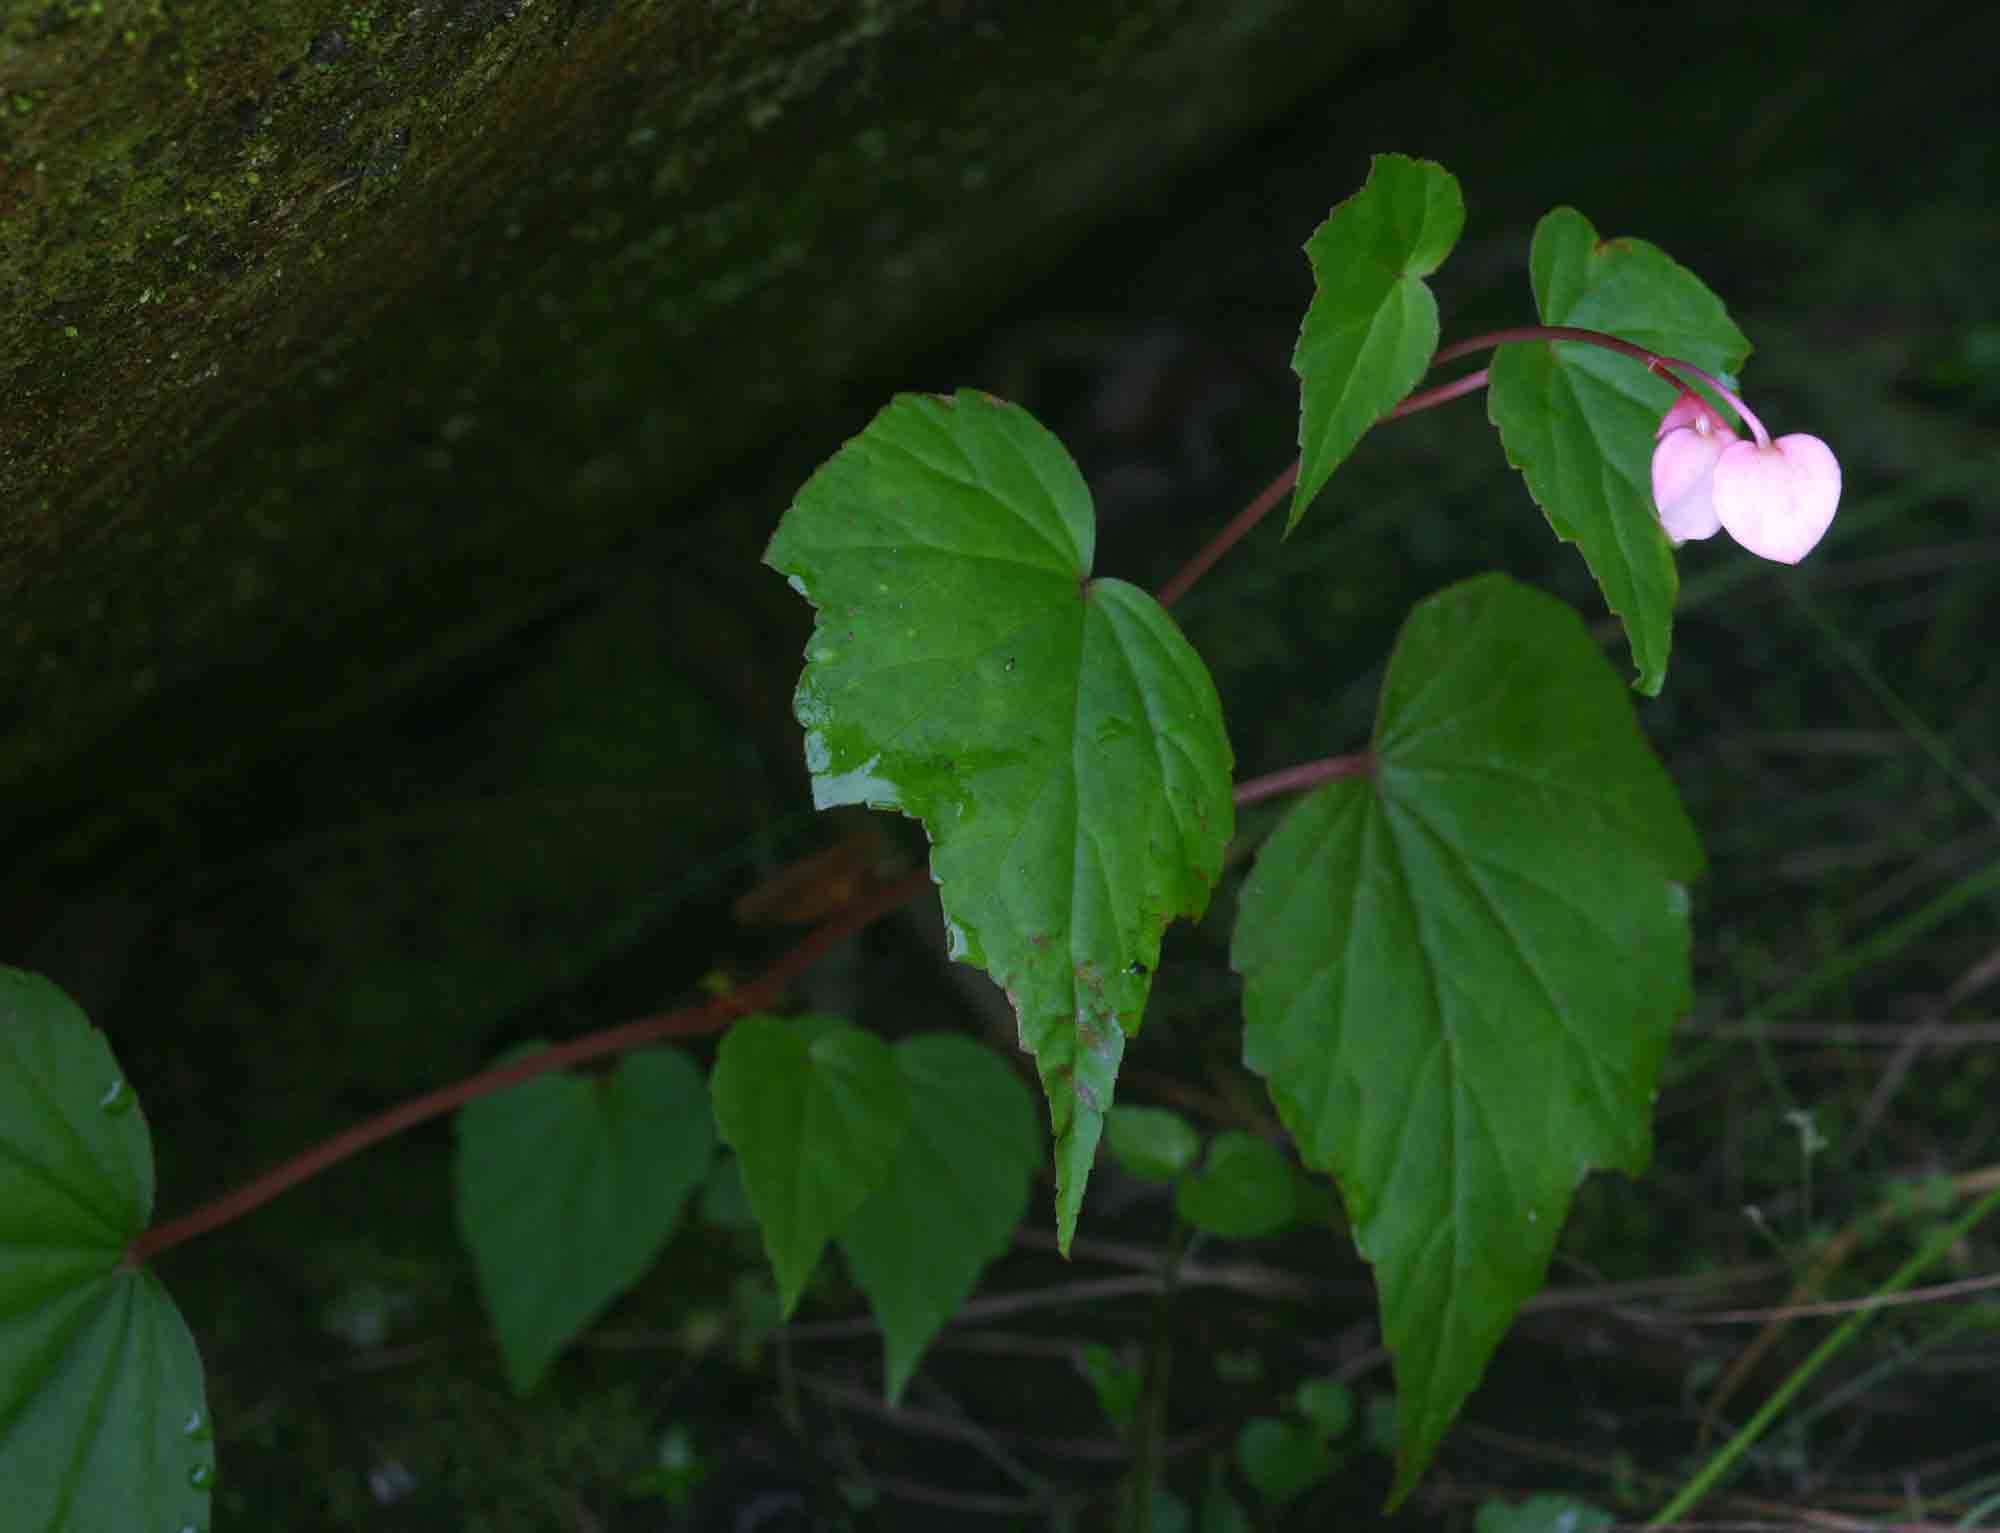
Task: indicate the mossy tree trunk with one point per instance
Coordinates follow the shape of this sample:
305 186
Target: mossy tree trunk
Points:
336 333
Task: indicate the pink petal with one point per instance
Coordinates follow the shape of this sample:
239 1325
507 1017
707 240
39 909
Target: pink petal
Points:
1692 411
1683 472
1777 501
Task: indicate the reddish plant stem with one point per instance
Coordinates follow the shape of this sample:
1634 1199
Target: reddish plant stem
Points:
1239 525
1444 393
1307 774
688 1022
1652 360
692 1021
1669 368
1267 499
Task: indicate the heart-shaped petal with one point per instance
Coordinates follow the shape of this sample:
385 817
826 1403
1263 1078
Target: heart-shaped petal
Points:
1777 501
1683 480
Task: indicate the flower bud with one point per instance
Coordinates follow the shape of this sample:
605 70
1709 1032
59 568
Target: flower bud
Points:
1775 498
1691 440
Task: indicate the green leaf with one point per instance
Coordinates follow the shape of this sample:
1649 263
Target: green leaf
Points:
723 1202
1061 742
1327 1403
1379 1424
1282 1459
1579 421
1373 325
568 1186
1313 1200
1220 1511
815 1111
103 1416
1542 1514
954 1193
1244 1190
1155 1144
1115 1382
1460 972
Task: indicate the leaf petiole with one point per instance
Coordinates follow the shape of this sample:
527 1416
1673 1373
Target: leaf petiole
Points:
1268 498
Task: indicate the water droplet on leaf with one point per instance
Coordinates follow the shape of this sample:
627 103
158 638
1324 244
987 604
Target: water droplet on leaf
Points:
201 1476
117 1096
196 1426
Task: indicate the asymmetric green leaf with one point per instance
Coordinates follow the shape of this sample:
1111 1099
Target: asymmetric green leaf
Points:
1373 324
1244 1190
1058 737
815 1111
1579 421
568 1186
1461 971
103 1418
1155 1144
1327 1403
1282 1458
1115 1380
954 1192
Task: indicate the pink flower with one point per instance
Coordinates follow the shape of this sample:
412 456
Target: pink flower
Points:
1775 498
1778 498
1691 441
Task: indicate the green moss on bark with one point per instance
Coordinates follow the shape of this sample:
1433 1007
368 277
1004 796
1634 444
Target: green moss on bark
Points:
336 333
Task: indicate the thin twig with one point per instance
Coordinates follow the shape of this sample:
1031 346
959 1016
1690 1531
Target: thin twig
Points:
1931 1295
1237 529
688 1022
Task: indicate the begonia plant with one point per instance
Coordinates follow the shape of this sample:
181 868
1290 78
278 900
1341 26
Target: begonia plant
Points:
1462 948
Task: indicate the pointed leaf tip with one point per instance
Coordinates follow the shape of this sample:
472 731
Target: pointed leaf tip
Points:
566 1188
1059 738
954 1192
1580 422
815 1110
1460 973
1372 328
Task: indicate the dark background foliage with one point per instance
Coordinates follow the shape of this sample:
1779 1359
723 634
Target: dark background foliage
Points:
519 794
